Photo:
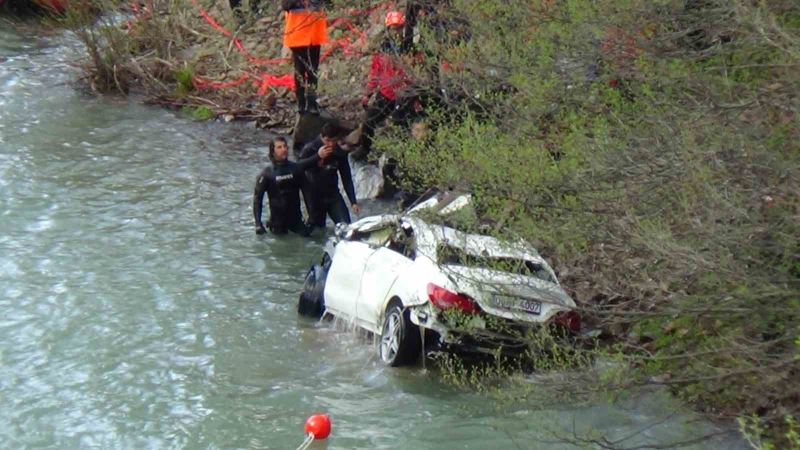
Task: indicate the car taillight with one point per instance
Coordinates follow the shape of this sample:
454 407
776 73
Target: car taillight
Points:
569 320
444 299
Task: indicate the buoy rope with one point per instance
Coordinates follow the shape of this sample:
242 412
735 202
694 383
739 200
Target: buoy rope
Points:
307 442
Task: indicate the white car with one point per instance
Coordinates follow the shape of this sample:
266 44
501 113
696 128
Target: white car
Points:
418 285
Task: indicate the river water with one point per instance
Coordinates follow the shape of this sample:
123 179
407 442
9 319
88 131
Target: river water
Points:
138 309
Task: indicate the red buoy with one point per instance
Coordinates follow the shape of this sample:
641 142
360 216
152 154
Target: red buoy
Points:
319 426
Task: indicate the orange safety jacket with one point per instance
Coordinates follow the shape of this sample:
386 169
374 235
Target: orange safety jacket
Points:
305 28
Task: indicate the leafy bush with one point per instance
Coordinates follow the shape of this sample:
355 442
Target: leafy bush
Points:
199 113
183 78
651 150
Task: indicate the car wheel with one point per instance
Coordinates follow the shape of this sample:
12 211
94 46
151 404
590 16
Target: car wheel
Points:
400 342
312 299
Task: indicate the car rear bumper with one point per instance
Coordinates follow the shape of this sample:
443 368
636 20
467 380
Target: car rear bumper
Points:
477 335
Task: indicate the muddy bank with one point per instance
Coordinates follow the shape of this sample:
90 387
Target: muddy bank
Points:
214 64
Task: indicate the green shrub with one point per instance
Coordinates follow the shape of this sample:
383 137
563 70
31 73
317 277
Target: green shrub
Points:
183 79
199 113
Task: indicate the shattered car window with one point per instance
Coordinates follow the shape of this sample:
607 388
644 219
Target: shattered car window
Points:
450 255
376 238
403 242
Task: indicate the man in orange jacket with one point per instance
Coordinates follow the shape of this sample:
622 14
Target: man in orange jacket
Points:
305 32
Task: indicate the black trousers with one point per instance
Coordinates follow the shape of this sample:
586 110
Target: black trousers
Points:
295 227
306 68
333 207
377 112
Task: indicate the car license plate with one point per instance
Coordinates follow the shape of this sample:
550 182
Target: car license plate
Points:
529 306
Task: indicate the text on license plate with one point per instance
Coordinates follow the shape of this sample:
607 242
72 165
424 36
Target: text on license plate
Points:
530 306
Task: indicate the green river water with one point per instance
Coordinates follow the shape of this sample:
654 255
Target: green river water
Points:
138 309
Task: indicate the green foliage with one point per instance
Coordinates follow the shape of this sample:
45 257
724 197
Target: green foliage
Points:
502 374
757 436
651 148
106 44
139 50
183 78
199 113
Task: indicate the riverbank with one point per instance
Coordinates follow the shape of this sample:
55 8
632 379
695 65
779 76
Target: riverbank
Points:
212 64
651 153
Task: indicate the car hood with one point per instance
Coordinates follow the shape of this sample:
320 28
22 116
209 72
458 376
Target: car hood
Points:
507 295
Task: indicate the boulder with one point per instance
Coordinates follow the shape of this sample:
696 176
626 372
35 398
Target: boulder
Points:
367 179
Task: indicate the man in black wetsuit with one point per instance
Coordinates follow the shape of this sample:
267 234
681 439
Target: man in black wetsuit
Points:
281 180
323 179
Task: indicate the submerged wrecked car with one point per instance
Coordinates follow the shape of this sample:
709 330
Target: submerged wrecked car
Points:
421 286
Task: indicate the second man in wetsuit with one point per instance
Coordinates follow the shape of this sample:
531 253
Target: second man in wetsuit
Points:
323 178
281 182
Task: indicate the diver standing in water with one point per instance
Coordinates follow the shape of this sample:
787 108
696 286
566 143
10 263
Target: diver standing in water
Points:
323 178
281 181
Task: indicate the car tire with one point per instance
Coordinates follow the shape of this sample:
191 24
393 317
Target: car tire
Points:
400 341
312 299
